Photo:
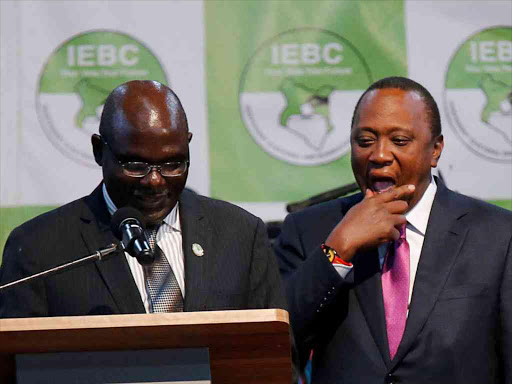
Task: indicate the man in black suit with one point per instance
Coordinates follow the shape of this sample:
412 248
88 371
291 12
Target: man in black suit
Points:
214 255
408 281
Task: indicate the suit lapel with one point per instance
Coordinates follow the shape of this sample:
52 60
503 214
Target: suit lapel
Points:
195 230
115 271
368 288
443 241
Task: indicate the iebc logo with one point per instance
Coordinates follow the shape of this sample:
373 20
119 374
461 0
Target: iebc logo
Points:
77 79
478 93
297 95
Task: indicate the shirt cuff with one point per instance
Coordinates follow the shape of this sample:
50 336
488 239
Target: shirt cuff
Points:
342 270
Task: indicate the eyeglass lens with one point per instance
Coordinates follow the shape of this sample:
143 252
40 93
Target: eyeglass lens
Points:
139 169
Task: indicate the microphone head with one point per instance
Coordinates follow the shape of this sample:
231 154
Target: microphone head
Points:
146 257
121 216
132 236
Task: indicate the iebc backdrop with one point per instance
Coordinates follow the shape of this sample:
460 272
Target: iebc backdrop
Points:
269 88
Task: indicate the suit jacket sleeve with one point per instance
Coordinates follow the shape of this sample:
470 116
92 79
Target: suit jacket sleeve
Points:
313 286
506 316
265 281
27 299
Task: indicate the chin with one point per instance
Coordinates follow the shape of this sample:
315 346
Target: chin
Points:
156 219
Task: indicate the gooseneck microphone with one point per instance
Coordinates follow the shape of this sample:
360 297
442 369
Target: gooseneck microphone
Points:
128 226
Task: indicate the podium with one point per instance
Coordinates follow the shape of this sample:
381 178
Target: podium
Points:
244 346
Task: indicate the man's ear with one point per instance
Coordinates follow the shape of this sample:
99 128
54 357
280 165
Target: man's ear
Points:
97 148
190 137
436 151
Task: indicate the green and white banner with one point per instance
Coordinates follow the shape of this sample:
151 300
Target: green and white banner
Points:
58 62
269 88
77 79
279 108
478 93
462 52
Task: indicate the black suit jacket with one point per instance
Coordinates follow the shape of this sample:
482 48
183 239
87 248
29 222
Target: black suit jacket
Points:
238 269
459 327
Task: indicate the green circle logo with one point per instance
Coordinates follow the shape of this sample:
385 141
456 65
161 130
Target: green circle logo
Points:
76 80
478 93
297 94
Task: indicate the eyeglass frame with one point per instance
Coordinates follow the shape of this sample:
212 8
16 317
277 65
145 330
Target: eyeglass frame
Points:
149 167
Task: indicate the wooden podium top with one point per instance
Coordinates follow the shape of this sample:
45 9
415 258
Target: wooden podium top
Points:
249 346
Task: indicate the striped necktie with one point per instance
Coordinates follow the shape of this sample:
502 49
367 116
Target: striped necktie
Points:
164 291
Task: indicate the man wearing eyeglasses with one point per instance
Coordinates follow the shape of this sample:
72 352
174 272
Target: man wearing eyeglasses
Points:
209 255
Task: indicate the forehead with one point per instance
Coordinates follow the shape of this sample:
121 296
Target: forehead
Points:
149 124
151 141
392 107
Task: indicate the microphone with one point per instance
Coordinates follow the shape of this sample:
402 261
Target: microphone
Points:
128 226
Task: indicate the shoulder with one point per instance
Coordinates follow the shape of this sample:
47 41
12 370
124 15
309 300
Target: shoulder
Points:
53 221
224 207
481 220
44 240
331 209
316 222
216 210
479 210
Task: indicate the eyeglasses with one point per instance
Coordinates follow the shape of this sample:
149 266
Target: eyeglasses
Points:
141 169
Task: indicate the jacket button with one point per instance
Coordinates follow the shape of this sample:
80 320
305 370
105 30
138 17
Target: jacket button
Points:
390 379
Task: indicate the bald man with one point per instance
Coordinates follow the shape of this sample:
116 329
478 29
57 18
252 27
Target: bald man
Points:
214 255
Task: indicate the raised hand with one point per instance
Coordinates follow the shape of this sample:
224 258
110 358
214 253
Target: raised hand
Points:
372 222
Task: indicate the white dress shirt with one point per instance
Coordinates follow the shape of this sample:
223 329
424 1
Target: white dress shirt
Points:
417 220
169 239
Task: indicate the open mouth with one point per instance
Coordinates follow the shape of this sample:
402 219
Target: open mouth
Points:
381 184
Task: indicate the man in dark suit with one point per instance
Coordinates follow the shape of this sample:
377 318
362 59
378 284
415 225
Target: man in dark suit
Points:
211 255
408 281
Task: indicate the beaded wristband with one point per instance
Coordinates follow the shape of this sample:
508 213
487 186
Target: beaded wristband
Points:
333 256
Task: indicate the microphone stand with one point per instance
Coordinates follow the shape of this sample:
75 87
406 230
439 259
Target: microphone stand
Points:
98 255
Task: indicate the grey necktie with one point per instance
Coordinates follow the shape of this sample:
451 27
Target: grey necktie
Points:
162 285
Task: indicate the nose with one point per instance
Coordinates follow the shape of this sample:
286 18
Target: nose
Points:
153 178
382 153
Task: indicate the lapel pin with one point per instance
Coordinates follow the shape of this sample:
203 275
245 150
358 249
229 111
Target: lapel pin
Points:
197 249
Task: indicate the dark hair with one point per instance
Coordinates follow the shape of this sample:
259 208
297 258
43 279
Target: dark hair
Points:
406 84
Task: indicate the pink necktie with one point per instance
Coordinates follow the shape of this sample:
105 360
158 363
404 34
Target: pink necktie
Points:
395 290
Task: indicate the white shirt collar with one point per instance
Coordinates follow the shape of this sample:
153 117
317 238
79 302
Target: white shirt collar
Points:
418 216
172 219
